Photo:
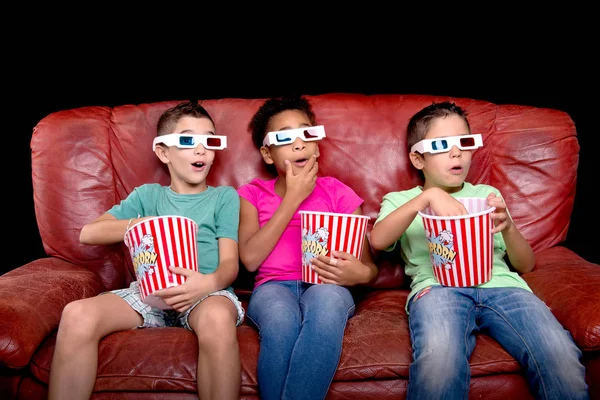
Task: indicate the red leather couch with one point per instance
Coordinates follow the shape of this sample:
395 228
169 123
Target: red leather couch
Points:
85 160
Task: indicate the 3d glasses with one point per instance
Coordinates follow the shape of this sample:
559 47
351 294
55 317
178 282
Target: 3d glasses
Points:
288 136
190 141
444 144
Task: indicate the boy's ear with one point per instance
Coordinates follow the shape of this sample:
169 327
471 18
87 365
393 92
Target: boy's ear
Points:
161 153
417 160
266 154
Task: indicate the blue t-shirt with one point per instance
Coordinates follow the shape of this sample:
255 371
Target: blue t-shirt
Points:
216 211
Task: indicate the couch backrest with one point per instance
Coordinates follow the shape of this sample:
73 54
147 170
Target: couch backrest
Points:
87 159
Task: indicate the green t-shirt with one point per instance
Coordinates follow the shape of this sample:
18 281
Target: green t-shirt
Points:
414 247
216 211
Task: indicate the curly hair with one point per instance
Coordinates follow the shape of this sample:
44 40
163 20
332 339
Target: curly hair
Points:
260 120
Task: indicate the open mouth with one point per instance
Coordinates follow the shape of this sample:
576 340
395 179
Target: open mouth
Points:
198 164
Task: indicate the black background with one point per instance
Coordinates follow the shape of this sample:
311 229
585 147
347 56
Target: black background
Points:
66 81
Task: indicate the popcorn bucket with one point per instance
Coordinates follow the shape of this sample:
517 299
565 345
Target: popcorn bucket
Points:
461 247
157 243
324 232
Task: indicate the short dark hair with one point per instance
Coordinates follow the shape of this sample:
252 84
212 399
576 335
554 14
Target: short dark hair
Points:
273 106
420 123
167 121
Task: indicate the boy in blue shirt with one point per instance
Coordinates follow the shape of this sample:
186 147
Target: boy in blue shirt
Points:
205 303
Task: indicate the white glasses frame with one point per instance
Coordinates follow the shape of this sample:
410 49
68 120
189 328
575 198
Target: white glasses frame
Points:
431 145
190 141
288 136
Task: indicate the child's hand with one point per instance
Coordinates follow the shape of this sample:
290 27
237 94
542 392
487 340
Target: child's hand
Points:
185 295
300 182
445 205
500 217
344 270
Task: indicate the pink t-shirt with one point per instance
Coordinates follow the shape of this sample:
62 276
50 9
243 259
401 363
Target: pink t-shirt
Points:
285 261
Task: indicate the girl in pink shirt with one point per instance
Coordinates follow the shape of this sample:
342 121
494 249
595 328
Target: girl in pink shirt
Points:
301 325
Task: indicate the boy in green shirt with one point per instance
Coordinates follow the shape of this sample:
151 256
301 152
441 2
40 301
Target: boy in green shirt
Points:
443 319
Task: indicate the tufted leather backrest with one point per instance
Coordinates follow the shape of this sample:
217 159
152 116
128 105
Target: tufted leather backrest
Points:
87 159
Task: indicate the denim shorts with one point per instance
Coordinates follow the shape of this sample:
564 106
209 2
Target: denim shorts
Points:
154 317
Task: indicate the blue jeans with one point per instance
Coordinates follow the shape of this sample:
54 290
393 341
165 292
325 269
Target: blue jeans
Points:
301 327
442 324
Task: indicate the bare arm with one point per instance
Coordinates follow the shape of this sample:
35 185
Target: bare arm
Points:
367 259
106 229
256 243
198 285
389 229
222 277
229 264
518 250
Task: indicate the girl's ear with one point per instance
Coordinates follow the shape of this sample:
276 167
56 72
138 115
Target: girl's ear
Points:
417 160
161 153
266 154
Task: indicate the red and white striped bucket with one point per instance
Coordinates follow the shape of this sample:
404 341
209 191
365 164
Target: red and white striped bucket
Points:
157 243
324 232
461 248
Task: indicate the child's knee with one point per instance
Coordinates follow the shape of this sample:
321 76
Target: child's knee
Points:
214 315
220 330
78 319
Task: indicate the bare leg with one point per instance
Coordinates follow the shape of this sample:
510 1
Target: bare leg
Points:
83 323
219 370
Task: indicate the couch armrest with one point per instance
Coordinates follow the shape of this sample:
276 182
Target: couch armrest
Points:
568 284
32 298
